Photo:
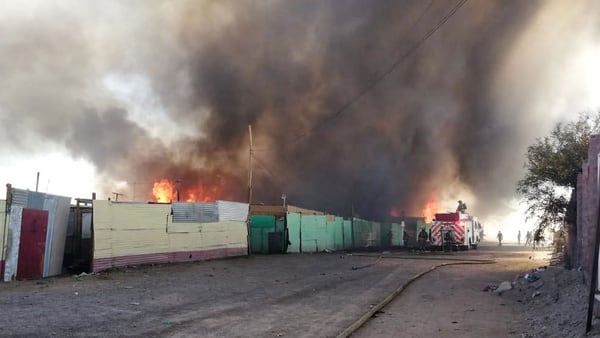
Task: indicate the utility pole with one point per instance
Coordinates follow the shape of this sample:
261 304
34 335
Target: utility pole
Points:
248 227
283 197
117 194
37 181
250 166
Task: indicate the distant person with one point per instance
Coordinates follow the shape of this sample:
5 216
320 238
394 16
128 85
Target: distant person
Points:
405 237
499 236
537 237
462 207
528 238
519 237
422 239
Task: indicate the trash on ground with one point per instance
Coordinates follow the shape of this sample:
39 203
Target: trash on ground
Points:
489 287
531 277
504 286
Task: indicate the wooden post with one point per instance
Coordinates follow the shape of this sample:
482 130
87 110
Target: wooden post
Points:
250 166
248 227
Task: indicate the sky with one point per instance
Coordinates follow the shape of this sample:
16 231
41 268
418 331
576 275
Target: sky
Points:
365 106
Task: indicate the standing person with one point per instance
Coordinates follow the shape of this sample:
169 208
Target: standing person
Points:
405 237
499 236
462 207
519 237
537 237
527 238
422 239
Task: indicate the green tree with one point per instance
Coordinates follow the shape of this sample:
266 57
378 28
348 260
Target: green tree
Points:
552 165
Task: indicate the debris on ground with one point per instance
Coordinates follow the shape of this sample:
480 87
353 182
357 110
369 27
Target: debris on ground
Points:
504 286
554 300
531 277
489 287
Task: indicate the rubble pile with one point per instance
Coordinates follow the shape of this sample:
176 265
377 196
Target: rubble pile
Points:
554 301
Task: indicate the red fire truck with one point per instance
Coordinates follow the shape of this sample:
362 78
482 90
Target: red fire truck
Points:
456 231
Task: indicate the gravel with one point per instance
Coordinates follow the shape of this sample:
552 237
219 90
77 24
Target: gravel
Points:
554 302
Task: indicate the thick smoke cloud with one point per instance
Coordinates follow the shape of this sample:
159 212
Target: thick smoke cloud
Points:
191 76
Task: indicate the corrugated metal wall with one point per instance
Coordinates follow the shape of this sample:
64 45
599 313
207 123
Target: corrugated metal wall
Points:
260 226
58 220
314 233
58 216
366 234
127 233
3 225
397 233
293 224
12 243
232 211
20 197
200 212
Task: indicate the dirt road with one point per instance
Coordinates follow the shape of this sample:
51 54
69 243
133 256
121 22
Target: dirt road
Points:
268 296
449 302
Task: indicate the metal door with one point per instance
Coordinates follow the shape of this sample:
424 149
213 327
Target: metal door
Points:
34 225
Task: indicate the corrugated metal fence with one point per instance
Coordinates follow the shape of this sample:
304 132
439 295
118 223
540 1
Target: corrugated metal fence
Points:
317 233
58 214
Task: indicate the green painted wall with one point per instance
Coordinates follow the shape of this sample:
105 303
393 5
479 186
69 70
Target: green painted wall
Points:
366 234
315 237
397 234
318 233
335 229
347 239
293 222
260 226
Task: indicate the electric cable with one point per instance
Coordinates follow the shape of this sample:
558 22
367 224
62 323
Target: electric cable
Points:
378 79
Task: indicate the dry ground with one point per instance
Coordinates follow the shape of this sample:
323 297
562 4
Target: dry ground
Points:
281 295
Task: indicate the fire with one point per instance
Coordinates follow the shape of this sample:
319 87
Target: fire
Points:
431 207
395 212
165 191
200 194
428 211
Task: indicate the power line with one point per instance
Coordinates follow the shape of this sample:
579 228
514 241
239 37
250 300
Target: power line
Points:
390 69
384 75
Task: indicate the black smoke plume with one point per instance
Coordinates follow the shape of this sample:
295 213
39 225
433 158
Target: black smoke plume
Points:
289 69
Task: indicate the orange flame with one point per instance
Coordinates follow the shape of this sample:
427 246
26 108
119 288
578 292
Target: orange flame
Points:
165 191
200 194
431 207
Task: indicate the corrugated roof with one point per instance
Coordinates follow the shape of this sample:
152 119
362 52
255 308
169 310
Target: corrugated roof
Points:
259 209
303 211
277 210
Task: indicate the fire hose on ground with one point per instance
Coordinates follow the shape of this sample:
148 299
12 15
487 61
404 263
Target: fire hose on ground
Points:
369 314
